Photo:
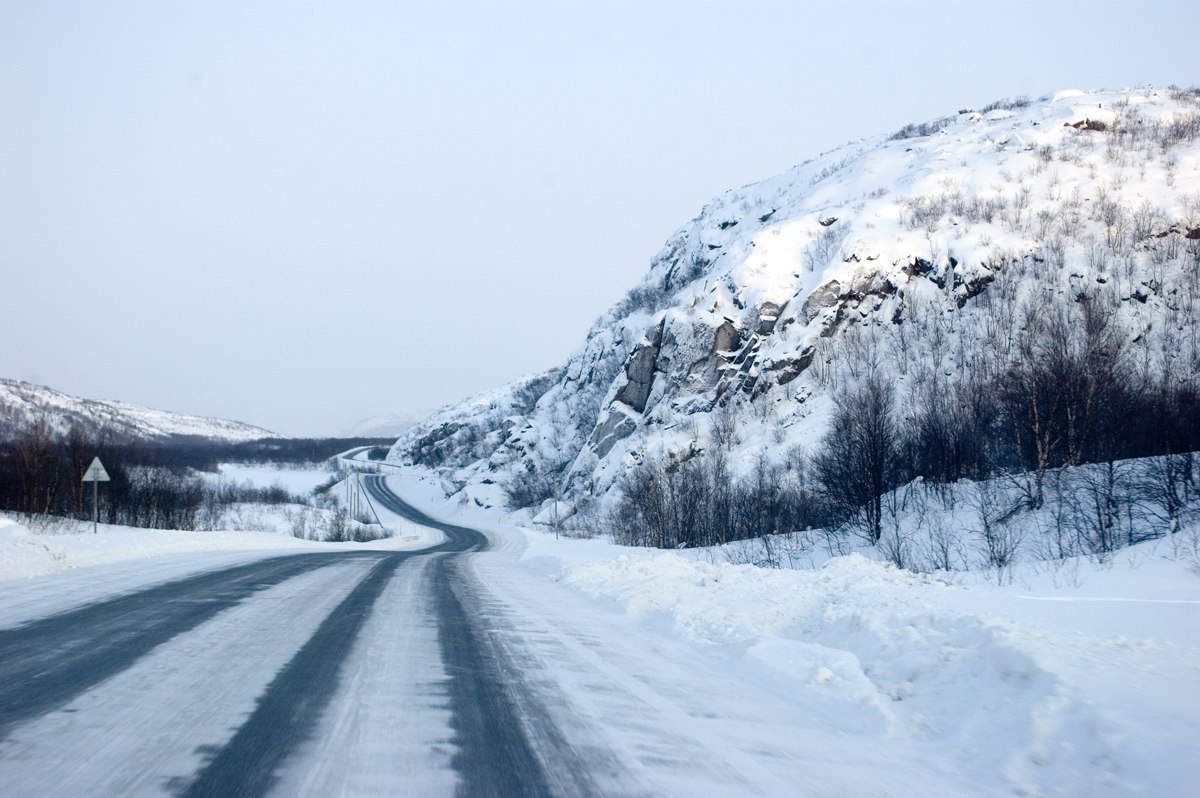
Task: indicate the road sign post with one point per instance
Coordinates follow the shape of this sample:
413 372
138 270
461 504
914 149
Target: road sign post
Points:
95 474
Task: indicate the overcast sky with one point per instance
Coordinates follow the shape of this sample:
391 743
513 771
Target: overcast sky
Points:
301 214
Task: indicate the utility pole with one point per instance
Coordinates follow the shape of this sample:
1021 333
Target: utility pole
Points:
352 498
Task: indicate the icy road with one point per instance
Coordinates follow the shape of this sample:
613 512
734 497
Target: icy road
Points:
318 674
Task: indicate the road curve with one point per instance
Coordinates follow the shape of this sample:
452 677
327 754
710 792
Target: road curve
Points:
458 538
494 754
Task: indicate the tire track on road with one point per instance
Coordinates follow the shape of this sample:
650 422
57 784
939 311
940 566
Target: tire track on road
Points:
140 730
289 710
46 663
496 754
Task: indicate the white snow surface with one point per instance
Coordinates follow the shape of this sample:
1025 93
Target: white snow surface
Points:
1026 689
298 481
695 675
63 563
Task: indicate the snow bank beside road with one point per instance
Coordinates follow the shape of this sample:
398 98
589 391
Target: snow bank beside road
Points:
1046 697
67 566
25 553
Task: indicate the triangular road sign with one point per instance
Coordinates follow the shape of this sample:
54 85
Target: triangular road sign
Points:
96 472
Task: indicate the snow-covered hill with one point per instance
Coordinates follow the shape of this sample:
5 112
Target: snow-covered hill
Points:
922 253
386 425
23 404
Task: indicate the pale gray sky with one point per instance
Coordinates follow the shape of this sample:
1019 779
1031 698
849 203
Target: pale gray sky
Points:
301 214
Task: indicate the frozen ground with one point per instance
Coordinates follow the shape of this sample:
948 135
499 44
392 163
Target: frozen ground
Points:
665 673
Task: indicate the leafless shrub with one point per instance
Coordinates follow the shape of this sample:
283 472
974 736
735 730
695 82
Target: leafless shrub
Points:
896 547
919 129
1112 215
999 538
300 523
1181 129
924 212
1145 220
337 528
1044 219
943 549
724 429
821 248
1169 485
1006 104
1019 204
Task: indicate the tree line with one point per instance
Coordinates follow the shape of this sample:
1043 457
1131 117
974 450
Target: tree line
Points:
154 484
1075 392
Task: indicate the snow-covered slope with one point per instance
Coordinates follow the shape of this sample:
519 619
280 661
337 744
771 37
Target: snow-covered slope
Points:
917 253
22 404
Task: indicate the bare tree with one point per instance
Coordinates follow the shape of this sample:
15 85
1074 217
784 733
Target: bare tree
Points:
858 458
37 467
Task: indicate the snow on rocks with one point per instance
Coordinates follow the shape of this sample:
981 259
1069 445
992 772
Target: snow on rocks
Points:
770 297
24 402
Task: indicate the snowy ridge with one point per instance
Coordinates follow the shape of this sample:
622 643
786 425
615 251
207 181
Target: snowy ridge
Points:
910 252
23 404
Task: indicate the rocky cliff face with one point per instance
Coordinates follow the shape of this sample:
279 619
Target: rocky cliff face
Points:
922 253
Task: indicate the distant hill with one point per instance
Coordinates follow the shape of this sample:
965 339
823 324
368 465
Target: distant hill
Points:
23 404
388 425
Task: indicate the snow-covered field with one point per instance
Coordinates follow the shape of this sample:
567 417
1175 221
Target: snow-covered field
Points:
297 481
851 678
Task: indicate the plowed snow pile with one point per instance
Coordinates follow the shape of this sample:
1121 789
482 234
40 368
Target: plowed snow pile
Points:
1088 688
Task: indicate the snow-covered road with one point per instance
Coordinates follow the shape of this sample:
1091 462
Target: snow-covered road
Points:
545 667
149 727
342 673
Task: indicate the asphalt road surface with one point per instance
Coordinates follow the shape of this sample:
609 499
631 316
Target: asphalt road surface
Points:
232 683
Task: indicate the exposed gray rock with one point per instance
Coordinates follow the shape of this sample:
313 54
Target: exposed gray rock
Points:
768 315
825 296
727 338
785 371
615 426
639 372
